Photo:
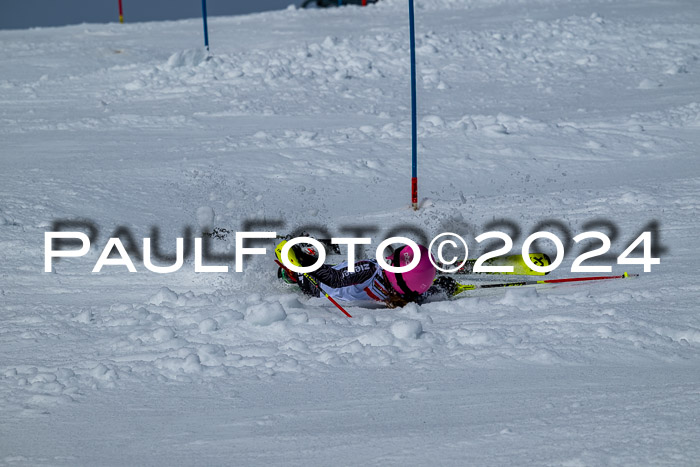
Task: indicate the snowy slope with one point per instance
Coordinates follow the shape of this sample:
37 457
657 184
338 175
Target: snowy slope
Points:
530 110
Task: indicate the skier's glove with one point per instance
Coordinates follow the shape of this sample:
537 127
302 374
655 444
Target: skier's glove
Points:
308 288
446 284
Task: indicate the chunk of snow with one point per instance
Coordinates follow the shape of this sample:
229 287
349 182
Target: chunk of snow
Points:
208 325
649 84
164 295
407 329
205 218
264 314
186 58
519 296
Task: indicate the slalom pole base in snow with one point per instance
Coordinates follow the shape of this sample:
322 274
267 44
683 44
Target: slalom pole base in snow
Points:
414 193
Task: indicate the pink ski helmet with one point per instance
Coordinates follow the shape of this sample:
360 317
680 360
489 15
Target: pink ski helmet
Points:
417 280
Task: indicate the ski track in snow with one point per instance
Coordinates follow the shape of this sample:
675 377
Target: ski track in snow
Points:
529 110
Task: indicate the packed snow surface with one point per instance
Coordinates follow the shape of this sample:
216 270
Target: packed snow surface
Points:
533 114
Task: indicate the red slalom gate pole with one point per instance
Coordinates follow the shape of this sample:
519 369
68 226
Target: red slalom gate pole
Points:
121 12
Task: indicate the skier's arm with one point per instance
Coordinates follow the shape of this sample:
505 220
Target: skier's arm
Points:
337 278
443 286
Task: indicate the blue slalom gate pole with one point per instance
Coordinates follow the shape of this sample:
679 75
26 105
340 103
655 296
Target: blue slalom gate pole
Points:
204 19
414 117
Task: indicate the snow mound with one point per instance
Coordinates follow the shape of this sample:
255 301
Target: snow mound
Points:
164 295
519 296
186 58
649 84
407 329
208 325
264 314
205 218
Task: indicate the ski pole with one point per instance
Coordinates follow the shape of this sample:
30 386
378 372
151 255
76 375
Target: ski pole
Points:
315 282
464 287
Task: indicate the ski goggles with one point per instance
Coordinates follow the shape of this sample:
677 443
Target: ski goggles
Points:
286 276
